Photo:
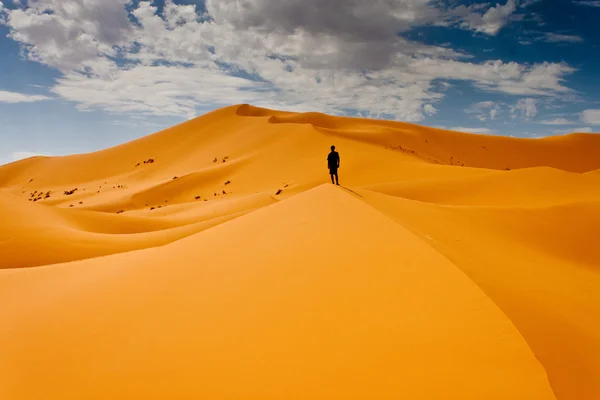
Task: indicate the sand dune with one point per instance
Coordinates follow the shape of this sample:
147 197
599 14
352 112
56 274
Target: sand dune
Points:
538 265
213 260
531 187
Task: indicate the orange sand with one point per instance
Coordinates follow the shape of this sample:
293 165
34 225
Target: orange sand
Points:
448 266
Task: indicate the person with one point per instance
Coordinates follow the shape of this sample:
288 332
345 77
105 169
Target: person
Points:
333 163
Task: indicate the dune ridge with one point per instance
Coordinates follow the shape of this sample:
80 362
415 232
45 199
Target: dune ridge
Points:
213 260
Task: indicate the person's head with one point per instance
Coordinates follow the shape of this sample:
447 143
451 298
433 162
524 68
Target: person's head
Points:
332 148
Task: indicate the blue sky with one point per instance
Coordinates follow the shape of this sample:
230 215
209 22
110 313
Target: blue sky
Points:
77 78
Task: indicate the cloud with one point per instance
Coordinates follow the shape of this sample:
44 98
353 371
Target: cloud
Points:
524 108
573 130
543 79
12 97
136 123
484 110
289 55
472 130
315 34
159 90
558 38
68 33
591 3
527 3
556 121
20 155
548 37
491 21
591 117
337 33
429 109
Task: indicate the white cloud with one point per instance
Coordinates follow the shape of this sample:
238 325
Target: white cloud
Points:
582 130
491 21
159 90
443 86
573 130
556 121
12 97
472 130
527 3
591 117
429 109
483 104
533 36
543 79
20 155
484 110
524 108
69 33
558 38
290 55
592 3
137 122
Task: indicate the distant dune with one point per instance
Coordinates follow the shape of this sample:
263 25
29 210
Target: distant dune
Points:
213 260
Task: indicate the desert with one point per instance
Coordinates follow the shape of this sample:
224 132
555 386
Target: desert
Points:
445 265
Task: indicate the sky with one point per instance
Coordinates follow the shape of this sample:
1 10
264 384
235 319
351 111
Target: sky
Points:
81 75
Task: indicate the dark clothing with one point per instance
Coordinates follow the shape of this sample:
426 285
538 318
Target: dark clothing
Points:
333 160
333 163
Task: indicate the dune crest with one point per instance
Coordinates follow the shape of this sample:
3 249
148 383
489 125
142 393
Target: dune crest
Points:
213 260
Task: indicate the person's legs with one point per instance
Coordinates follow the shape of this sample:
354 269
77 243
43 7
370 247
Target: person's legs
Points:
337 181
331 178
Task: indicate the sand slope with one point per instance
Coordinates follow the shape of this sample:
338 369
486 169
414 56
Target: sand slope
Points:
537 264
212 260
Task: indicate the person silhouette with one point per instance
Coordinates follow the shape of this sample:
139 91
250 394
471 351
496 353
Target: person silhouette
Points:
333 163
